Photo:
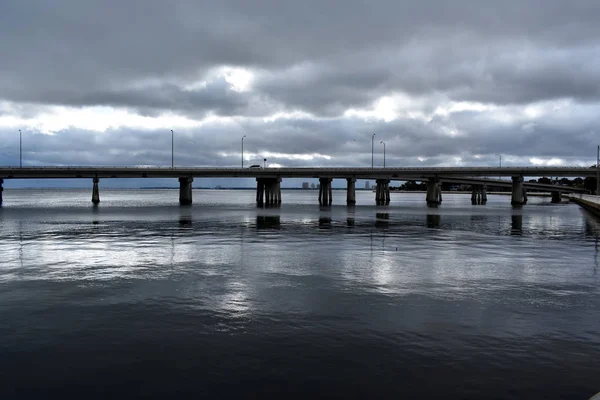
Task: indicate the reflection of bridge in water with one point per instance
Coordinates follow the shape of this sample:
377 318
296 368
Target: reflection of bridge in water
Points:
268 180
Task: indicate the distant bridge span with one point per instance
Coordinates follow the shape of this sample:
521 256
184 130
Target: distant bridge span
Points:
394 173
268 188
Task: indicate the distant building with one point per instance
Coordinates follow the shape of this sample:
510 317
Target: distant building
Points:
305 185
312 186
367 185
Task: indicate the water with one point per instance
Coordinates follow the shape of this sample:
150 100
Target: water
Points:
141 297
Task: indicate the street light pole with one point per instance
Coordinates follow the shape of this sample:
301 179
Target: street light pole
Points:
372 148
20 150
243 151
172 152
598 171
500 157
383 153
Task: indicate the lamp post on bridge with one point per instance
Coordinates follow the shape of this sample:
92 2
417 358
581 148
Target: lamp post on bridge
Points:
243 151
20 150
383 153
500 158
372 148
598 171
172 149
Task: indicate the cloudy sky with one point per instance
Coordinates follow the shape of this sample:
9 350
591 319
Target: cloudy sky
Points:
308 82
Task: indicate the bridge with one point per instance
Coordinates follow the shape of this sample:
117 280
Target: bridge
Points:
268 188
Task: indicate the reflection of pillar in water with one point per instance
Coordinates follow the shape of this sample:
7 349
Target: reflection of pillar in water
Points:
433 220
382 220
516 227
268 221
350 218
325 222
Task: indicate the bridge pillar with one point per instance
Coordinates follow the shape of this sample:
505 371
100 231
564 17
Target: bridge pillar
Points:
519 196
556 197
1 189
434 192
351 191
260 190
185 190
96 191
325 191
382 191
268 191
479 194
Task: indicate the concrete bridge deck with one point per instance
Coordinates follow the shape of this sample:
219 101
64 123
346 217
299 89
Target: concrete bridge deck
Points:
268 187
334 173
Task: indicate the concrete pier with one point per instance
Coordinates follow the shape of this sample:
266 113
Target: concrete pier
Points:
589 202
325 191
556 198
268 191
185 190
382 192
351 191
1 189
479 194
519 196
96 191
434 192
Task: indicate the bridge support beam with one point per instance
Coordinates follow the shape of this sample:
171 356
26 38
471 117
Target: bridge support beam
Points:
351 191
325 191
479 194
434 192
556 197
519 195
96 191
382 191
268 191
185 190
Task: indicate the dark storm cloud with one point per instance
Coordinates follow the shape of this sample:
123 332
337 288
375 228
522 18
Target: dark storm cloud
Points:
67 52
321 58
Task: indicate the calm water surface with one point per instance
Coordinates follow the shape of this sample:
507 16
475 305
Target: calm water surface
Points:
142 297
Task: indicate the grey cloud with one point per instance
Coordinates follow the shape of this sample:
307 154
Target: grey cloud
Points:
69 47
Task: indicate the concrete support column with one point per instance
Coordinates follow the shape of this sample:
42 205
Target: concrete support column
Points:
434 192
387 192
325 191
260 190
278 190
519 197
95 191
351 191
268 192
382 191
1 189
185 190
479 194
556 197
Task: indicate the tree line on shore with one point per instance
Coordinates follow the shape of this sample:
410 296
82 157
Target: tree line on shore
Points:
589 183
